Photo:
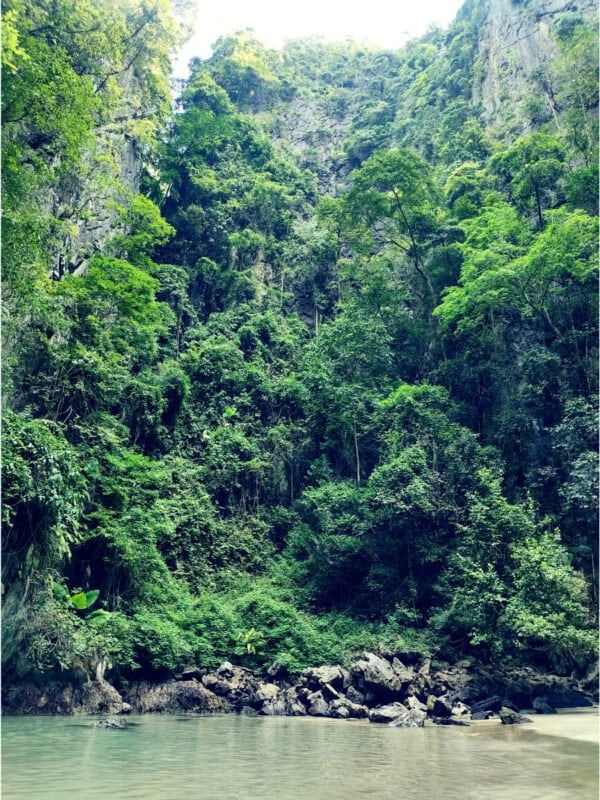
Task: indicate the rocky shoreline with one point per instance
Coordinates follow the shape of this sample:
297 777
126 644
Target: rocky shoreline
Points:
402 689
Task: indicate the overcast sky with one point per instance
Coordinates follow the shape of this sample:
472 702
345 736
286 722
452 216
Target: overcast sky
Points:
388 23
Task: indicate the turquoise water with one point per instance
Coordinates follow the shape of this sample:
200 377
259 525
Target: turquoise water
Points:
242 758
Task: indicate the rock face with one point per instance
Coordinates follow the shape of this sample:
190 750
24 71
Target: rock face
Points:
174 697
376 675
409 718
514 40
541 705
384 690
387 713
510 717
110 723
95 697
238 685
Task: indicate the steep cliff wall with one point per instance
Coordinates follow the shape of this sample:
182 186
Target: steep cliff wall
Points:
109 175
515 48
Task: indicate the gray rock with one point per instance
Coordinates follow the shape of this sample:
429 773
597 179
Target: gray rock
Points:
226 670
439 706
541 705
338 710
344 708
317 677
248 711
460 710
285 704
126 708
377 675
386 713
403 654
404 674
239 686
329 693
266 691
174 697
99 697
493 703
510 717
414 704
355 696
425 668
318 706
191 674
92 697
450 721
276 672
409 718
110 723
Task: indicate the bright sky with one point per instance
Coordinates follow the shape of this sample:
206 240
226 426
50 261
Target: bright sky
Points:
388 23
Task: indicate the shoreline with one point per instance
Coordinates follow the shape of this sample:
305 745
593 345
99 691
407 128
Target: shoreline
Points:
402 689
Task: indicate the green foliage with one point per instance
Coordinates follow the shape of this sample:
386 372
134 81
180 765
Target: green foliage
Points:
327 382
532 169
83 600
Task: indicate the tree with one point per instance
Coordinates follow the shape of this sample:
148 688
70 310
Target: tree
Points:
392 195
532 170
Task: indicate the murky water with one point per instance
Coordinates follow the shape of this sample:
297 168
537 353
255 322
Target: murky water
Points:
241 758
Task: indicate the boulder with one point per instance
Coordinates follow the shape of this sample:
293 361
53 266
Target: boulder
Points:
239 686
329 693
567 698
487 706
174 697
414 704
375 674
386 713
248 711
510 717
460 710
450 721
337 711
355 696
345 709
409 718
318 706
425 668
277 672
479 715
191 674
522 685
110 723
403 654
439 706
405 674
54 697
266 691
541 705
285 704
317 677
126 708
421 687
99 697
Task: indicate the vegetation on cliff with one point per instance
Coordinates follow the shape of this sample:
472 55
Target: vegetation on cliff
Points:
329 378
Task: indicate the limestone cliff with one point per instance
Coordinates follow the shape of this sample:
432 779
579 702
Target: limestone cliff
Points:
515 48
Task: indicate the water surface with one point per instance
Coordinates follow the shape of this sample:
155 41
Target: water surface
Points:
242 758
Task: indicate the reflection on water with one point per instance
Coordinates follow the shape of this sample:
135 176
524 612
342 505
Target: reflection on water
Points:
246 758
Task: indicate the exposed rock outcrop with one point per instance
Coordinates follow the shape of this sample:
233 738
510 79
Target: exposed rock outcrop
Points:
94 697
174 697
382 689
514 44
510 717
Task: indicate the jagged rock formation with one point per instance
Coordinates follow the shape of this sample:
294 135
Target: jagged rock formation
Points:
515 46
